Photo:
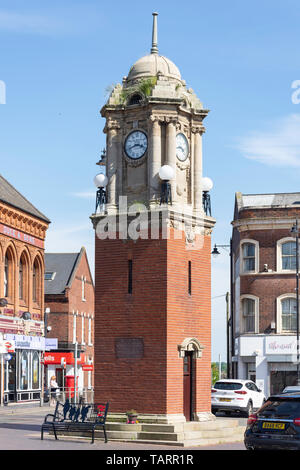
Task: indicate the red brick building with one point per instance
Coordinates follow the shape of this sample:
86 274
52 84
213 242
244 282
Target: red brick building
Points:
22 236
152 290
69 294
264 300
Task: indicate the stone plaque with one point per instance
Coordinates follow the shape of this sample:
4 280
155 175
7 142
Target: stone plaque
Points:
129 348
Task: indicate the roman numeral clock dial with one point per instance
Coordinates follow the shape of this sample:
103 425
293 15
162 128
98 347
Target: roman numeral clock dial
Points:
182 147
136 144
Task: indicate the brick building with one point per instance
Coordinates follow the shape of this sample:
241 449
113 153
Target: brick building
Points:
22 236
69 294
264 282
152 292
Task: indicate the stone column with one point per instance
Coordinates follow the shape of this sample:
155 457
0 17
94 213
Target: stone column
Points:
154 161
112 151
171 154
198 206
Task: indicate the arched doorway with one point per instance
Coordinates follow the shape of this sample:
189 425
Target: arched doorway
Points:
190 350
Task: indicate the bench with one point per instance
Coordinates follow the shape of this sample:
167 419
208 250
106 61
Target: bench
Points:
71 417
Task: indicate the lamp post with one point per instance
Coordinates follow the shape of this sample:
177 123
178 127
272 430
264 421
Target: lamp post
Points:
100 182
295 233
229 318
166 173
207 185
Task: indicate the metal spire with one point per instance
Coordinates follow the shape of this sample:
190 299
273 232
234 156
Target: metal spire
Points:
154 49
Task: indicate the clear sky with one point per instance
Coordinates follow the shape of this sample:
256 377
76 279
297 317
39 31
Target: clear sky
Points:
58 58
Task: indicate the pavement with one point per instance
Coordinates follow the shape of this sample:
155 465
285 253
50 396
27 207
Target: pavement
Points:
20 426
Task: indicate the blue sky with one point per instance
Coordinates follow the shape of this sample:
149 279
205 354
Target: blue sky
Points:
58 58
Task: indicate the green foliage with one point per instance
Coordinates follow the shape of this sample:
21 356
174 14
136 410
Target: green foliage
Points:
146 85
215 371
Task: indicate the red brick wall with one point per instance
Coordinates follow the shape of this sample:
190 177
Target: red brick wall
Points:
267 287
161 312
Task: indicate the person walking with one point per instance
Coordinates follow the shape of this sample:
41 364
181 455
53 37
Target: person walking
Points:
53 389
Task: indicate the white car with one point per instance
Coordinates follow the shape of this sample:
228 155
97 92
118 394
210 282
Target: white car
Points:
231 395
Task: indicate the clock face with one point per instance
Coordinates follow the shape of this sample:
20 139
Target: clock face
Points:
136 144
182 147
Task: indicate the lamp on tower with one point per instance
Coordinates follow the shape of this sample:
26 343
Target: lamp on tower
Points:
100 181
207 185
166 173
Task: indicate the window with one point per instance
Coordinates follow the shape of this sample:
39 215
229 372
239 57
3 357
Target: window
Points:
288 253
288 314
21 279
49 276
190 277
6 276
249 314
36 282
35 370
83 281
82 329
90 331
24 371
135 99
74 327
130 276
248 310
248 257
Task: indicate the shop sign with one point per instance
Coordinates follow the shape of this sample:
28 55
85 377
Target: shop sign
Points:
56 358
281 345
50 343
88 367
27 342
7 346
24 237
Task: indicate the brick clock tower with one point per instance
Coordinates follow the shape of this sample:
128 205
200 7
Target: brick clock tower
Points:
152 249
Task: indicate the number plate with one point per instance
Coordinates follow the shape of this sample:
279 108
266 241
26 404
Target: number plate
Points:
273 425
225 399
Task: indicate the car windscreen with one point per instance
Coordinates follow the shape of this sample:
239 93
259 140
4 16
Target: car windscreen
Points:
273 408
228 386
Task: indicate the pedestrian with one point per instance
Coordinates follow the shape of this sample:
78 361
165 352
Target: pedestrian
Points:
54 389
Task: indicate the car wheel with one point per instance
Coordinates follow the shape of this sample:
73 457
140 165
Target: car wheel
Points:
249 410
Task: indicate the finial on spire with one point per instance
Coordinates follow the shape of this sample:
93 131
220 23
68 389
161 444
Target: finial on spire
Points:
154 49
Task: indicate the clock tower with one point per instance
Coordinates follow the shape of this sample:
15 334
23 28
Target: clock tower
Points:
152 249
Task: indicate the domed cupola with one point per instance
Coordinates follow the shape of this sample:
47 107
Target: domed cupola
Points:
153 64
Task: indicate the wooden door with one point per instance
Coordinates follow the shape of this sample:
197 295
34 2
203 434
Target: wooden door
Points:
188 385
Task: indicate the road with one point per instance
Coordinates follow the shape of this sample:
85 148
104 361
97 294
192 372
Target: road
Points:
20 430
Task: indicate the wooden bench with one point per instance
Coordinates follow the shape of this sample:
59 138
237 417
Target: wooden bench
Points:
70 417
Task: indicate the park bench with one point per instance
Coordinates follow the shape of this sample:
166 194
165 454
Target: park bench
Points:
71 417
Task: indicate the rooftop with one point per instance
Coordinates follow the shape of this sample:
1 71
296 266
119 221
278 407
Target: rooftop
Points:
267 200
12 197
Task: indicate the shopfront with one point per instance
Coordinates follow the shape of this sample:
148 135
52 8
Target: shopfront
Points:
23 369
62 365
268 360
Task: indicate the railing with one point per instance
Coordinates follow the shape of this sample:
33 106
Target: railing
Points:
81 395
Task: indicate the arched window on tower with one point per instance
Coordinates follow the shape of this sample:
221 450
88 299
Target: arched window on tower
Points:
135 99
21 279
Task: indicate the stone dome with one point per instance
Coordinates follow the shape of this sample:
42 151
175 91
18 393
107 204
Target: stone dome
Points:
151 65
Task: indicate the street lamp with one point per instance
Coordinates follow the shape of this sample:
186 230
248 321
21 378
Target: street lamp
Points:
166 173
229 318
100 182
295 233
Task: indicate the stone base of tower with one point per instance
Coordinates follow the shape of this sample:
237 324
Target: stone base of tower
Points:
163 418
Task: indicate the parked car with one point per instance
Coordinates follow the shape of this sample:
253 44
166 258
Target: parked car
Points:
276 425
291 389
233 395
